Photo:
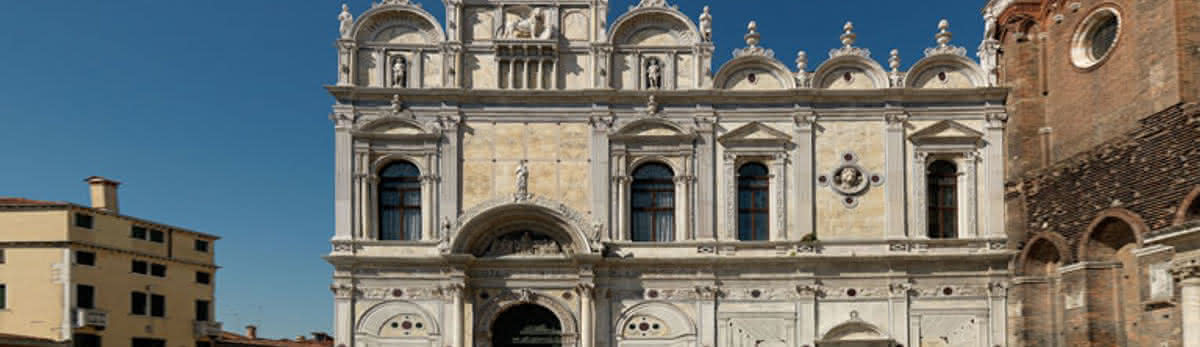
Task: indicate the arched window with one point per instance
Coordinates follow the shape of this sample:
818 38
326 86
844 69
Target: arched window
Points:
753 204
942 196
653 203
400 202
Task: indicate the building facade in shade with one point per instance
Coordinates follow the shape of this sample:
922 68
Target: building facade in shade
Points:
1103 152
91 276
528 174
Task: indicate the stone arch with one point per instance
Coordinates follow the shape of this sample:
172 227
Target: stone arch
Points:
858 66
1043 255
1189 207
495 306
479 225
661 20
956 69
379 163
1110 231
736 74
855 332
374 324
394 126
414 19
679 324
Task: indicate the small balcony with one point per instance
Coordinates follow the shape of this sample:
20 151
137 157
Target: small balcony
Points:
206 328
89 317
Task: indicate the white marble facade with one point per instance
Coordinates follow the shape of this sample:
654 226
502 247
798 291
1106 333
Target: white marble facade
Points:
527 119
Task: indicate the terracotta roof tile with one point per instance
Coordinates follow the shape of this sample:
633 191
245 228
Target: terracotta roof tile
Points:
6 200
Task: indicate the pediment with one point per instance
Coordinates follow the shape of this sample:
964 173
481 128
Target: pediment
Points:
395 127
754 133
946 132
653 129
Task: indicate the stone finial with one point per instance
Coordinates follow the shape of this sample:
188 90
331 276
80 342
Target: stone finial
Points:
801 61
752 36
848 35
894 60
944 35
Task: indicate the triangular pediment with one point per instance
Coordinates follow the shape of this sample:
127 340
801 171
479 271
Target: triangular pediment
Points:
755 132
650 128
946 132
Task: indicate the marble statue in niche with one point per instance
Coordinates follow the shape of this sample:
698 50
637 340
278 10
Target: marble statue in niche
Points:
399 72
522 243
346 21
653 74
522 173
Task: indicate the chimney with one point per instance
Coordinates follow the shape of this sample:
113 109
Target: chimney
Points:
252 332
104 193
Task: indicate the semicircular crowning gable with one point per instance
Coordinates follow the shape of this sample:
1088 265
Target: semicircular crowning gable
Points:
945 71
398 24
654 27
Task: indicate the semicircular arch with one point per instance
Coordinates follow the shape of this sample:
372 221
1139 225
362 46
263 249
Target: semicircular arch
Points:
643 25
1109 231
746 72
495 306
373 321
835 69
401 23
1044 251
678 323
498 217
945 71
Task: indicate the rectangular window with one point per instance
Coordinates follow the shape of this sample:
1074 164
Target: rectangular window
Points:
203 277
85 296
137 232
202 307
140 267
137 301
85 258
156 236
83 221
86 340
158 305
3 297
201 246
158 270
144 342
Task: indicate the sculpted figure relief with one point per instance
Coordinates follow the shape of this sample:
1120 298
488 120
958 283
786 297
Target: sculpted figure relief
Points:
522 173
653 74
534 26
522 243
848 178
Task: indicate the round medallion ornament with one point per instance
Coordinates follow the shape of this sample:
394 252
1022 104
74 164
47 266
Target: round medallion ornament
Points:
849 180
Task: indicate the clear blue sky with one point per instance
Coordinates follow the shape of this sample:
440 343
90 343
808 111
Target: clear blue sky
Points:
213 115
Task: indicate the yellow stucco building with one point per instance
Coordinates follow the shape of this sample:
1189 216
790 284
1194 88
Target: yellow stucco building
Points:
91 276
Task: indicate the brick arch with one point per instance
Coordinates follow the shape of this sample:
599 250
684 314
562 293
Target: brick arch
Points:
1189 207
1043 250
1111 230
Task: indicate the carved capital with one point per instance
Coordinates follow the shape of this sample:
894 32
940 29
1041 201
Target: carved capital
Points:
587 290
896 119
342 291
342 120
805 119
601 122
453 290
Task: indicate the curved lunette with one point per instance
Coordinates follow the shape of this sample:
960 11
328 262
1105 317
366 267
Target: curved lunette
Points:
871 67
360 24
377 315
1183 213
476 225
618 26
660 310
731 68
974 71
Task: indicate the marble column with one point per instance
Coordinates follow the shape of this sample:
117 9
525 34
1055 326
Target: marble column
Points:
457 320
448 197
895 191
343 314
343 179
587 313
1187 271
992 211
598 170
705 175
802 168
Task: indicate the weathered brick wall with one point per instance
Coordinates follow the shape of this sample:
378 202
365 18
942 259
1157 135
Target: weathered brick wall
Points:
1148 171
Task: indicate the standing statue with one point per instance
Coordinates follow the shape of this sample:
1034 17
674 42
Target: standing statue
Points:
347 20
706 25
653 74
522 180
399 72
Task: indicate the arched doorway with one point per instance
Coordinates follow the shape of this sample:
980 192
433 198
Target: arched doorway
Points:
1113 293
527 325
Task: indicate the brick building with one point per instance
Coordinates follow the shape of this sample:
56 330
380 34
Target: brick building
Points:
1103 149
